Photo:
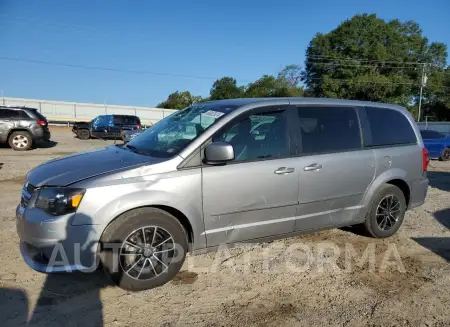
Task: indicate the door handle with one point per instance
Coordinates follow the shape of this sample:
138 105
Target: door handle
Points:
312 167
284 170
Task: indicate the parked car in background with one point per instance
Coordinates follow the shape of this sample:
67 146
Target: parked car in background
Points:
106 127
20 127
223 172
128 135
438 126
437 144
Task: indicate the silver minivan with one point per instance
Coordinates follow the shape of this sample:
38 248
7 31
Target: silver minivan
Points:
222 172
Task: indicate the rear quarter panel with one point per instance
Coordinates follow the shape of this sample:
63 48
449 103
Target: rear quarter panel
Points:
401 162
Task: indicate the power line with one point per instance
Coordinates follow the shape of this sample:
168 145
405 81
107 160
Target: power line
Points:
343 81
131 71
362 66
336 64
365 60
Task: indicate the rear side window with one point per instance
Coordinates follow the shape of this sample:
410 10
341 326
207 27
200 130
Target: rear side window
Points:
389 127
328 129
15 114
126 120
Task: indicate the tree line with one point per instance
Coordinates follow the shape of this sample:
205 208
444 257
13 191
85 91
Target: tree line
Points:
364 58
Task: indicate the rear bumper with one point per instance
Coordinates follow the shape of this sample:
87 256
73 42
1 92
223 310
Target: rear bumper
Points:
41 134
419 191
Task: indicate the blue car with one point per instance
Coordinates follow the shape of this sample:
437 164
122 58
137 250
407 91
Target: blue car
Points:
437 144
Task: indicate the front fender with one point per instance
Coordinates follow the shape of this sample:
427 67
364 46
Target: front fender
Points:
182 193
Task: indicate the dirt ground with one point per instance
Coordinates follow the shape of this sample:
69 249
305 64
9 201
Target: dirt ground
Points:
319 279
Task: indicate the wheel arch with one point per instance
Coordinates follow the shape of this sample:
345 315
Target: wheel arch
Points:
397 177
19 129
403 186
179 215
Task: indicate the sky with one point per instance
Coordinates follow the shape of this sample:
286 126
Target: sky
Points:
153 48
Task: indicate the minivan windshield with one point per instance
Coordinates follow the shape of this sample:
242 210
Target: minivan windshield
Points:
172 134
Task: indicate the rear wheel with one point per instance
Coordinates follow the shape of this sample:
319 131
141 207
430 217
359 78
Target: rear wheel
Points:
387 212
83 134
143 249
445 156
20 141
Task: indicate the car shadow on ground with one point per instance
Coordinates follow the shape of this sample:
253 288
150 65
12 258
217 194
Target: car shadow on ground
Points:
439 179
44 144
13 307
438 245
71 299
443 217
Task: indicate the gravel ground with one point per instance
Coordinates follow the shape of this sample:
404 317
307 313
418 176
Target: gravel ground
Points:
312 280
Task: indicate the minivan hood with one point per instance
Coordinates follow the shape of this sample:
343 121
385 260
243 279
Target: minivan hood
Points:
80 166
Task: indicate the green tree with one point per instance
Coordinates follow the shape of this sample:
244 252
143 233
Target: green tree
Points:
367 58
270 86
179 100
225 88
437 95
292 74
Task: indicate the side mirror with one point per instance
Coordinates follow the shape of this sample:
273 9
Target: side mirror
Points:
219 152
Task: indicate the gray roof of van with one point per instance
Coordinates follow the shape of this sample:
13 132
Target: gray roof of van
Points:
318 101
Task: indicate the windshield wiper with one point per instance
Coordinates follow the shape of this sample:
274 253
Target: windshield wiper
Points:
134 149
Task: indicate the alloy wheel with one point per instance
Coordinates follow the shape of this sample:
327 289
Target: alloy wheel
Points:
388 212
20 141
147 252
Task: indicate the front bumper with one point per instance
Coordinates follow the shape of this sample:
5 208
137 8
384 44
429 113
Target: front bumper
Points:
51 244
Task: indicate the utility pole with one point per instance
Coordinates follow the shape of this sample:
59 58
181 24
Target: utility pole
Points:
423 82
3 97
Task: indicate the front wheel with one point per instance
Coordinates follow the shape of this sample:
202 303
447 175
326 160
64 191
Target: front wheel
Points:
387 212
143 249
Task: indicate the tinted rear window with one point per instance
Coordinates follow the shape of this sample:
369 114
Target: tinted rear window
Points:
39 115
126 120
329 129
389 127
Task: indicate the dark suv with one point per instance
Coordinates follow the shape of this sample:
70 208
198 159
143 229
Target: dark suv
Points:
21 126
106 126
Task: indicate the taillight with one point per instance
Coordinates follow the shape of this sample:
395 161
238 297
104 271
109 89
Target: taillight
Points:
41 122
425 159
138 126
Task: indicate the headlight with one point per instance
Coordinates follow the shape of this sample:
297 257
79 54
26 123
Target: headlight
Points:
59 201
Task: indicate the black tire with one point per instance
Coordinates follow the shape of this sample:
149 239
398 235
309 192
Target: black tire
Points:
84 134
20 141
445 156
121 229
372 225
